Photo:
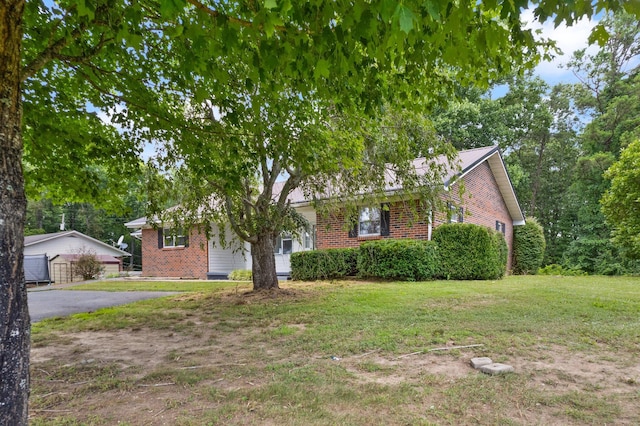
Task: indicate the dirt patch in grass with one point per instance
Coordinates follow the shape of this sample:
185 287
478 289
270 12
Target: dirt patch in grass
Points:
559 368
262 296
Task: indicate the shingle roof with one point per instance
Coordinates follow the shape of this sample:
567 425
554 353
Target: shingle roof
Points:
103 258
31 240
467 160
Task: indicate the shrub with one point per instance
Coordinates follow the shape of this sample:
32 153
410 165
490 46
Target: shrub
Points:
470 252
323 264
503 253
597 256
405 259
555 269
87 265
240 275
528 247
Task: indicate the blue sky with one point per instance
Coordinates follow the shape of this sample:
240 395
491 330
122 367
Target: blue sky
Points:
568 39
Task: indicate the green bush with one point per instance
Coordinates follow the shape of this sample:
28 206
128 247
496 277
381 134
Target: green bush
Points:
503 253
405 259
594 255
528 247
87 265
470 252
555 269
240 275
324 264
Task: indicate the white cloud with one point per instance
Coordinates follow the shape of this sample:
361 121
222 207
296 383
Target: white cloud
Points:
568 39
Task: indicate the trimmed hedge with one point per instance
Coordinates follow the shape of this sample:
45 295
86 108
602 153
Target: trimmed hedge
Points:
470 252
240 275
528 247
503 253
324 264
408 260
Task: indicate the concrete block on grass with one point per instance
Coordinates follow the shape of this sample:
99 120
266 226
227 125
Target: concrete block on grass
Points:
496 368
480 361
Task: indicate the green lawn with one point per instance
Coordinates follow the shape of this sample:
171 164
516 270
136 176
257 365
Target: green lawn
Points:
215 355
143 285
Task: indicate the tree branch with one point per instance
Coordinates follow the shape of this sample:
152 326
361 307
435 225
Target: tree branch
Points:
49 53
295 177
84 58
53 50
234 224
120 98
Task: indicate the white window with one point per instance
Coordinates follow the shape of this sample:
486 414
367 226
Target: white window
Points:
500 226
309 238
369 221
456 214
284 244
174 238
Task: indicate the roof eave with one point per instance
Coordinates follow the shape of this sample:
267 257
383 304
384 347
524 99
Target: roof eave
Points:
496 163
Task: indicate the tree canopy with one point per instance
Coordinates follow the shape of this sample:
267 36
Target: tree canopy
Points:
621 202
147 63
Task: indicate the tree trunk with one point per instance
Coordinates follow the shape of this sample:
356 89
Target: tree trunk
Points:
264 264
14 313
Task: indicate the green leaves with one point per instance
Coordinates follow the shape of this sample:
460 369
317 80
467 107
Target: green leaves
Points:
599 34
405 18
322 69
241 92
621 203
433 8
85 9
270 4
170 9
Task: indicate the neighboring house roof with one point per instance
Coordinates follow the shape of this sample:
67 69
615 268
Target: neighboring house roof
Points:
467 160
137 223
103 258
35 240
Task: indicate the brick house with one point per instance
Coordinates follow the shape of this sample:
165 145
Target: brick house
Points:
488 200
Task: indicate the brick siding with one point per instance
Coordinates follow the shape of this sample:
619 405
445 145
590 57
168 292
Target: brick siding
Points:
482 201
183 262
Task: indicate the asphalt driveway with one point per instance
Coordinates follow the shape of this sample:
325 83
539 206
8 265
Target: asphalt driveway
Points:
58 303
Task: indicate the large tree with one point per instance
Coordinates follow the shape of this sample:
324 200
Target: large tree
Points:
608 93
141 60
608 99
240 170
621 202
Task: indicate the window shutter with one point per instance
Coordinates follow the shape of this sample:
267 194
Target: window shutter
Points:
353 231
461 215
160 239
186 241
385 219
